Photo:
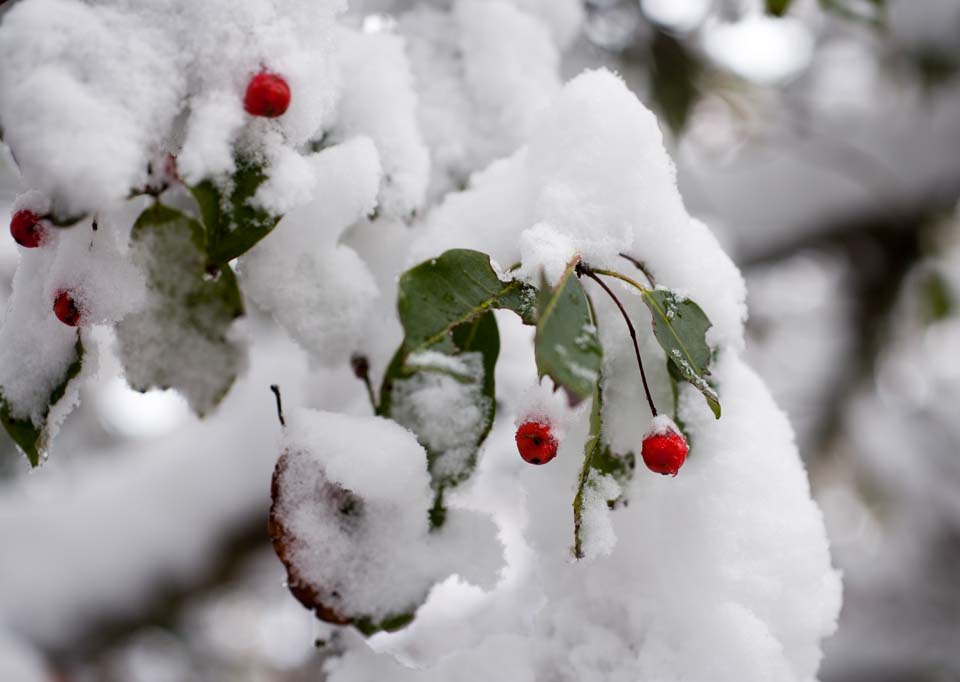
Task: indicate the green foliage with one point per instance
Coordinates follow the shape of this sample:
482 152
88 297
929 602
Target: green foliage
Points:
567 347
675 73
182 332
680 327
456 287
938 299
778 7
446 307
30 438
233 224
368 627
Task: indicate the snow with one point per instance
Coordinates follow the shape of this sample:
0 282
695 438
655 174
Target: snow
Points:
378 101
482 71
660 425
320 291
352 497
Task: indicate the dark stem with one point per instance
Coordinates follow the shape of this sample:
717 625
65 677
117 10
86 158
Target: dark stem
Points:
586 270
642 267
276 393
361 369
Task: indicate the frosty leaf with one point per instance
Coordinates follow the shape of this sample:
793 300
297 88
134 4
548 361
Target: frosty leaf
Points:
233 224
778 7
29 437
680 327
346 516
598 461
446 396
457 287
566 345
180 339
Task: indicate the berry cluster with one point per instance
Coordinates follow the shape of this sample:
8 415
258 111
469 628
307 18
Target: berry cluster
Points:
267 95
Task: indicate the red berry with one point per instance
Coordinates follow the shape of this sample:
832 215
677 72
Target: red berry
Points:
664 450
536 443
27 230
267 95
66 309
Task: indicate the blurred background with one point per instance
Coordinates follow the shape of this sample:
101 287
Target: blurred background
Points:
823 148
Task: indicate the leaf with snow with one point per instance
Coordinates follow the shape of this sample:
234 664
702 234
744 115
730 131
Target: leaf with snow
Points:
600 466
233 223
447 397
30 437
566 345
680 326
180 340
452 289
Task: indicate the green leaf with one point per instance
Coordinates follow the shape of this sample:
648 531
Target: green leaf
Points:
937 297
778 7
30 438
233 224
180 340
598 460
680 326
461 365
567 347
457 287
675 75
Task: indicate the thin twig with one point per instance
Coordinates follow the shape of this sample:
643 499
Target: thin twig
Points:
276 393
642 267
589 272
361 369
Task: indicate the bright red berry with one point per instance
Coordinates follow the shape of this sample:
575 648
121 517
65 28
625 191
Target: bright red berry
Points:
27 230
267 95
536 443
65 308
664 449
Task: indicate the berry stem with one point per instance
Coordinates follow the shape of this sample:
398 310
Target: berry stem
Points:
361 369
592 274
623 278
642 267
276 393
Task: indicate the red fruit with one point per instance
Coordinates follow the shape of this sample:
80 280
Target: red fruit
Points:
664 450
267 95
66 309
27 230
536 443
